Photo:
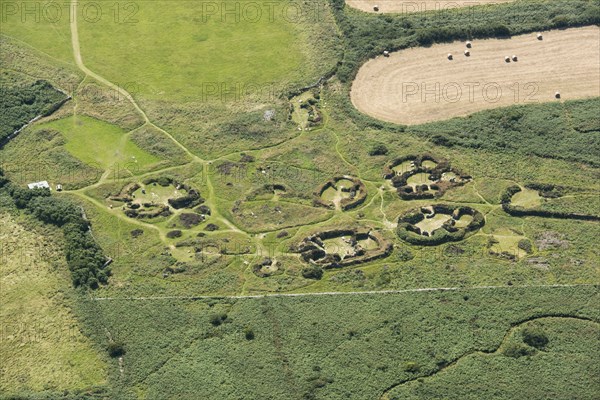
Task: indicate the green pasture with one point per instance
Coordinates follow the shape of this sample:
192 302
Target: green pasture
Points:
199 49
98 143
42 347
40 25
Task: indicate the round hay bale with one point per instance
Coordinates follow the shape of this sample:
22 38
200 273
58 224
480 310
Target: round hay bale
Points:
467 53
557 95
539 36
450 56
386 53
515 58
507 59
468 44
375 7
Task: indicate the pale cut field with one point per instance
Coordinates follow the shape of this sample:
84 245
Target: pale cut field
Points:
41 345
412 6
421 85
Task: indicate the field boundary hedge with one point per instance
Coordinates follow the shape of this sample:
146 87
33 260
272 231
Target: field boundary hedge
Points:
518 211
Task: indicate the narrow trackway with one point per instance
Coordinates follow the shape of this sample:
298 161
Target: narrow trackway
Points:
81 66
368 292
121 91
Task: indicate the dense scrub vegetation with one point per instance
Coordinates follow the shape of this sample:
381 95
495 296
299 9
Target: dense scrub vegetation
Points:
85 258
317 348
574 127
520 369
20 104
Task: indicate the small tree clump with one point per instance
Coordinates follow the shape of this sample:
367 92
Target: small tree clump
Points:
535 337
312 272
248 333
378 150
116 349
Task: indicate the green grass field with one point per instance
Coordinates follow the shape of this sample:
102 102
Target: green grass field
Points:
101 144
39 25
200 51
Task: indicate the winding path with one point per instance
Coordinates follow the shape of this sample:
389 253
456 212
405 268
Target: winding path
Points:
514 326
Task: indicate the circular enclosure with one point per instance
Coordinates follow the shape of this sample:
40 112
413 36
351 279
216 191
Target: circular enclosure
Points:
437 224
342 247
422 177
341 193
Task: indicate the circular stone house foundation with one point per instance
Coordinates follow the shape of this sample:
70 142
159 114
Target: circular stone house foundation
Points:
267 267
348 192
146 206
423 176
338 248
437 224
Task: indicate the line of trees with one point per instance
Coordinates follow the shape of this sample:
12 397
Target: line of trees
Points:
85 258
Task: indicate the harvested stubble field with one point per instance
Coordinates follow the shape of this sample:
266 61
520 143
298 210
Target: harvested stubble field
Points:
421 85
408 6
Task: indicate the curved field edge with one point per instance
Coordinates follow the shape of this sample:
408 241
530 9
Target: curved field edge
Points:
367 36
311 345
421 85
504 349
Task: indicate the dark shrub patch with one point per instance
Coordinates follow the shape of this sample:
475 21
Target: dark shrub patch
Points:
203 209
174 234
249 333
137 233
116 349
378 150
218 319
312 272
515 350
525 244
211 227
190 219
535 337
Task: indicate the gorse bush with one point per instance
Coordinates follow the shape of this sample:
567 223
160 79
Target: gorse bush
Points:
535 337
21 104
